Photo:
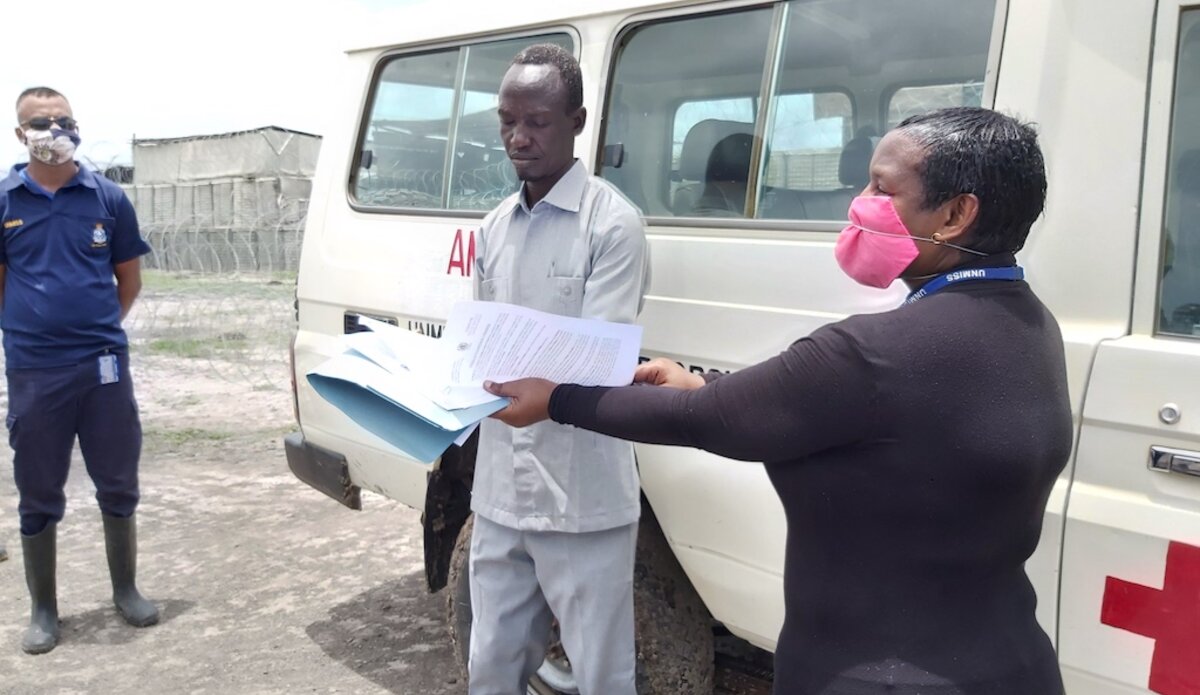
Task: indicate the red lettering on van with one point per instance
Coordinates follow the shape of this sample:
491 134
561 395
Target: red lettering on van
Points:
465 262
1170 616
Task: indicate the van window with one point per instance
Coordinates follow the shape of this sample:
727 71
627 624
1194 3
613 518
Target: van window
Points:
659 67
826 74
910 101
431 140
806 140
691 177
1179 290
690 113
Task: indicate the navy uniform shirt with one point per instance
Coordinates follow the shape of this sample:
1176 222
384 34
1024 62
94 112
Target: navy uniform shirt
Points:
60 298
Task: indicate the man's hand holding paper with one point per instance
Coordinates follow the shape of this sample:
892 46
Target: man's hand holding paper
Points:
501 342
421 394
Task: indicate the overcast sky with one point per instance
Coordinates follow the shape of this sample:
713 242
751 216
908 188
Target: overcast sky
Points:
168 69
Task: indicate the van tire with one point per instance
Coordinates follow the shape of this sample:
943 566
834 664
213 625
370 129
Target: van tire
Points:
458 596
674 630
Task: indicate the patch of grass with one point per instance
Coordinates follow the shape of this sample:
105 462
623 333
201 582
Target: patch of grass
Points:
189 400
197 347
188 435
269 286
179 347
164 281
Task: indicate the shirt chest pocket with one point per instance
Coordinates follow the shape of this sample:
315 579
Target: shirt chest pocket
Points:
496 290
566 296
92 235
554 295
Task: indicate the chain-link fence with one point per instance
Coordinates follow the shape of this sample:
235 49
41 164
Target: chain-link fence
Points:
269 245
223 226
237 326
219 282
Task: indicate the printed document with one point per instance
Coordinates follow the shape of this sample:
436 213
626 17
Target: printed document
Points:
501 342
422 394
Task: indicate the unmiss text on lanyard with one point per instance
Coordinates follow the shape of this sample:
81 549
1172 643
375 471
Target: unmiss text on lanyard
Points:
954 277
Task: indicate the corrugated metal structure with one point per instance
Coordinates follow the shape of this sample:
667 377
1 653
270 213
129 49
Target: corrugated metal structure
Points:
226 202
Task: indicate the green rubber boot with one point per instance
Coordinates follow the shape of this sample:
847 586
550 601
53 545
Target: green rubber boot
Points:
42 634
120 540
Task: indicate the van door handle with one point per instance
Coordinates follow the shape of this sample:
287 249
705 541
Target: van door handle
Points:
1167 460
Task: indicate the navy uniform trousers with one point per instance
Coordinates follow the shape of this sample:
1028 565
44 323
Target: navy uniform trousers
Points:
47 409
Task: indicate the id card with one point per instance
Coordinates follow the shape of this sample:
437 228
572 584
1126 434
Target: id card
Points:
109 373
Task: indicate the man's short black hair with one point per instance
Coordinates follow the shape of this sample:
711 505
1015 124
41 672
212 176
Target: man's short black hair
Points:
994 156
39 92
562 60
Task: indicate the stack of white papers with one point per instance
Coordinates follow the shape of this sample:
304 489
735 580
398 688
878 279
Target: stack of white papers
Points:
422 394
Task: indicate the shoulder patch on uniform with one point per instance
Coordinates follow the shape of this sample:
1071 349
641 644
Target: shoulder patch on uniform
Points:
9 224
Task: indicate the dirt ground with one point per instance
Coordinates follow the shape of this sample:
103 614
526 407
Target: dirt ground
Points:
264 585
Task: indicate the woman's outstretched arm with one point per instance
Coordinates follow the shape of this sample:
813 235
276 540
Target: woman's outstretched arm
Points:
817 394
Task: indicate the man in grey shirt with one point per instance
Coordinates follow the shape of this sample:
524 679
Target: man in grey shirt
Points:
556 508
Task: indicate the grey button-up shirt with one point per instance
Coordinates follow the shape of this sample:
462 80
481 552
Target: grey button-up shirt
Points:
581 251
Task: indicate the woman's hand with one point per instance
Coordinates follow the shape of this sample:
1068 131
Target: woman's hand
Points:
529 400
661 371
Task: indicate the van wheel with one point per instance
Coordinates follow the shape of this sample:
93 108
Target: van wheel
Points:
674 630
553 677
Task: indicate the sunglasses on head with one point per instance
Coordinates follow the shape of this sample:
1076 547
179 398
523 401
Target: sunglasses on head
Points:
44 122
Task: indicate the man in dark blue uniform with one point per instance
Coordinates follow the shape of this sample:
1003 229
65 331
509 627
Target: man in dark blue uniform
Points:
67 232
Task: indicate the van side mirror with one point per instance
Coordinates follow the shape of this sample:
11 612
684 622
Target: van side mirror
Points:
613 156
366 159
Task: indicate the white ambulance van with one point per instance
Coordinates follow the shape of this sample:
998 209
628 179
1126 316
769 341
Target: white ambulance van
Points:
412 160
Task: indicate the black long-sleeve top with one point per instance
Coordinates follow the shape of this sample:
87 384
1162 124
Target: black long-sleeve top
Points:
914 452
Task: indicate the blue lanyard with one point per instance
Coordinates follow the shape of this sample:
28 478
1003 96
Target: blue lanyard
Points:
940 282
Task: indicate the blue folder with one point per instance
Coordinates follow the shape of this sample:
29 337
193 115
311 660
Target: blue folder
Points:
405 419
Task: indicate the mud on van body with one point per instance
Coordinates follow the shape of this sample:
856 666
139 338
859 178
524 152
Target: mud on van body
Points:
412 161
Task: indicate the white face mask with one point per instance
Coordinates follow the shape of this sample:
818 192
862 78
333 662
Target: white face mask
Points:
53 147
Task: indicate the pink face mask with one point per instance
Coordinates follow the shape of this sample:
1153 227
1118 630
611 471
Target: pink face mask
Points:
876 246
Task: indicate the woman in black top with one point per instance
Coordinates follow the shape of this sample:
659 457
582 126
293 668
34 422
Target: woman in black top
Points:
913 450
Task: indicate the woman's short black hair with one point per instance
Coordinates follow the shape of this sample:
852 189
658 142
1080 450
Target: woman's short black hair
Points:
994 156
564 62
